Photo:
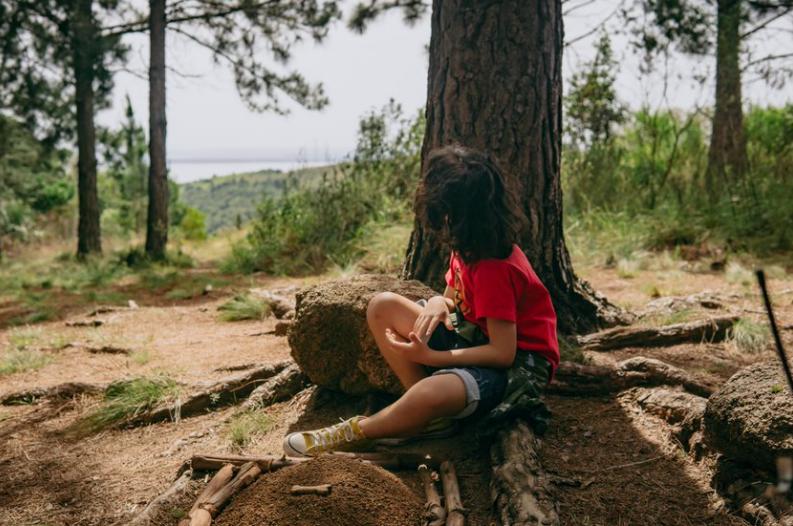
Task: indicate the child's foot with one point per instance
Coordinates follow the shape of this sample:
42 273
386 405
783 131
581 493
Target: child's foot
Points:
438 428
318 441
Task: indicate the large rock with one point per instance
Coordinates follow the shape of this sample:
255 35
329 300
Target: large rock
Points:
330 339
750 419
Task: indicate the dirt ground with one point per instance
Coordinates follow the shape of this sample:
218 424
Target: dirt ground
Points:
625 467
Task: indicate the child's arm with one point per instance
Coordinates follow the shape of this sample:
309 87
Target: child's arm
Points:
500 352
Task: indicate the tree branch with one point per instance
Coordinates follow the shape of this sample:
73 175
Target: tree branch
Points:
765 24
766 59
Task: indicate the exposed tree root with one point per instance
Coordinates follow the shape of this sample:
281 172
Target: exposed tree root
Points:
278 388
709 330
282 306
574 379
395 461
56 392
229 391
162 506
519 486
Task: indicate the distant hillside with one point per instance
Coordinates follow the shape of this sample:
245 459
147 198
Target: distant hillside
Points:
222 198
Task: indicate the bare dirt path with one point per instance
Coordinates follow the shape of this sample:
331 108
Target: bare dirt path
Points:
51 479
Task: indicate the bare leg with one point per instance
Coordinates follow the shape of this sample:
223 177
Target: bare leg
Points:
428 399
392 311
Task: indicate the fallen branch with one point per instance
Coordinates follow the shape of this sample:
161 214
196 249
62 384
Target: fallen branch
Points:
434 512
322 490
162 505
455 513
85 323
575 379
60 391
709 330
197 515
519 486
225 392
402 461
278 388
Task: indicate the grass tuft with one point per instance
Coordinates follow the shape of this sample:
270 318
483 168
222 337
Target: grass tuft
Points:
244 307
126 398
570 351
737 274
627 268
247 426
22 359
141 357
748 336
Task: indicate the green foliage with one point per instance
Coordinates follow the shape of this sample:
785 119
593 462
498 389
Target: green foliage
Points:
247 426
193 225
32 180
126 398
313 227
244 307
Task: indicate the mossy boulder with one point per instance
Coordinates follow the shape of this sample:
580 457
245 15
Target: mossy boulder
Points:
330 339
750 419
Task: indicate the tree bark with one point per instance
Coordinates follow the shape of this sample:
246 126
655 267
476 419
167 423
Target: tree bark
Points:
157 218
495 84
727 158
83 35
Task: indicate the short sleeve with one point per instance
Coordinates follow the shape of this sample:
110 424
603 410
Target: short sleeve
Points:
494 293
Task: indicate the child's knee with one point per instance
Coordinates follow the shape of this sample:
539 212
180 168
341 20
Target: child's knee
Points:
436 397
379 305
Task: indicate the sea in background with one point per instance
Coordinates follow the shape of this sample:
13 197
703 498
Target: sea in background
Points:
188 171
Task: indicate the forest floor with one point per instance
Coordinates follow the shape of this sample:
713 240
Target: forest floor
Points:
628 468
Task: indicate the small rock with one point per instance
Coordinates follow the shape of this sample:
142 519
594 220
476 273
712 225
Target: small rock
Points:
132 305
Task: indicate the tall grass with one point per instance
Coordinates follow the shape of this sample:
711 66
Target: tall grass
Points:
124 399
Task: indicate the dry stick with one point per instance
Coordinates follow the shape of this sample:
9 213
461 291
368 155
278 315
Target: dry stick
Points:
321 490
248 473
271 463
198 516
434 512
455 513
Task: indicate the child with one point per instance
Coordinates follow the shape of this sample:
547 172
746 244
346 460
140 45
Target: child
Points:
482 350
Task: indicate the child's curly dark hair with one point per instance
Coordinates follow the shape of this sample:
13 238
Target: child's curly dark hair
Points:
466 199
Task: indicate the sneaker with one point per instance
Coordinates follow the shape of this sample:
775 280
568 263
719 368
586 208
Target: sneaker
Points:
438 428
327 439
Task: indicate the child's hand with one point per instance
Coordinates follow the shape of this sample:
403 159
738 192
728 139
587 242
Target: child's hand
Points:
435 312
414 349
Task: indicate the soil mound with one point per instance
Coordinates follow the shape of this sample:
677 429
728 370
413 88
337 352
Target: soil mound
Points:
750 418
362 495
330 339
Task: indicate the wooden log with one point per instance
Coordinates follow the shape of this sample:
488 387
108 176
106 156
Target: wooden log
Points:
322 490
60 391
198 516
404 461
455 513
575 379
519 486
278 388
434 512
108 349
230 390
248 472
152 514
708 330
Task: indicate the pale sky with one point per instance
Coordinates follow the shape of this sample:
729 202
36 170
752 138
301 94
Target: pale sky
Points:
207 120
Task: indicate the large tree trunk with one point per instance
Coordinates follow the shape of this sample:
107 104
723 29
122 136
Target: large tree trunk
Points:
495 83
83 36
157 220
727 161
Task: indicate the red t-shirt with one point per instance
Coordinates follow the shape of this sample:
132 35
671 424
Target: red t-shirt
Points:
507 289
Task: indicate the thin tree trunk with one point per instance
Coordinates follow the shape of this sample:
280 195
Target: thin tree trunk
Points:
83 43
495 83
157 219
727 159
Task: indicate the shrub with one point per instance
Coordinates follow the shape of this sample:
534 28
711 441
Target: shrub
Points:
244 307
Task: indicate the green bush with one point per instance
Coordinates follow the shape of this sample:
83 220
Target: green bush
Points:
315 226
